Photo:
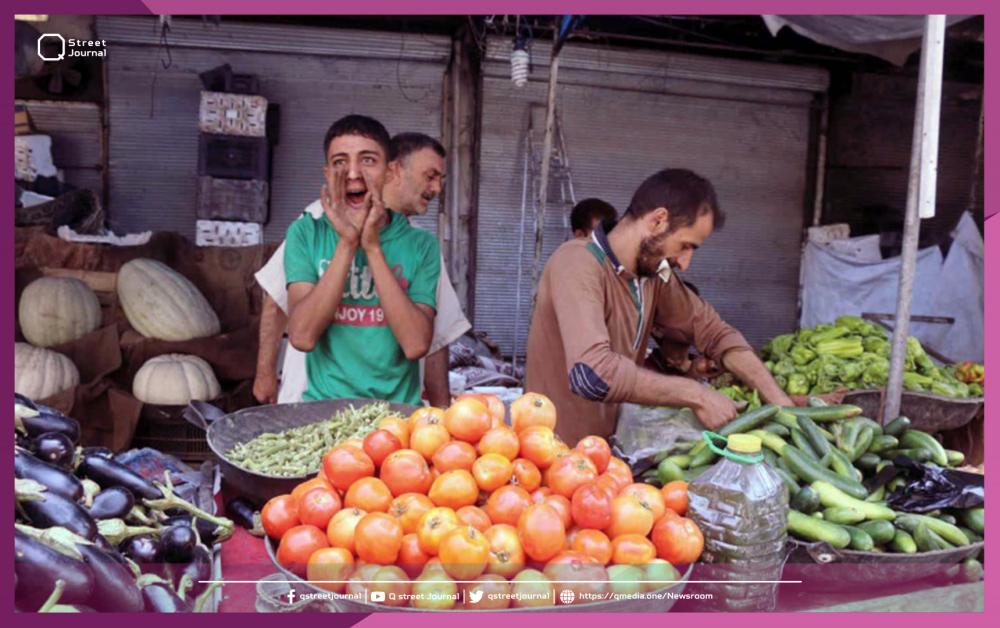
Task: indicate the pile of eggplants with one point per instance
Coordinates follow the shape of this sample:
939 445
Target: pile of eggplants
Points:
93 535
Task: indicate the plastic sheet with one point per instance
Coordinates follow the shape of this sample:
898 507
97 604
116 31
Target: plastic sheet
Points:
930 487
645 431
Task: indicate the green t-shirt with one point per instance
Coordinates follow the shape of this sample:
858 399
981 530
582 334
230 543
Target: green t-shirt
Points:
359 356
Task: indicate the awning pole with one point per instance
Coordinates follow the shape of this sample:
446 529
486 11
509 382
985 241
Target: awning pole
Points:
920 196
543 188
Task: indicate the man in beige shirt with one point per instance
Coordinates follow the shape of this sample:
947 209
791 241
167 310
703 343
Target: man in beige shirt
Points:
598 300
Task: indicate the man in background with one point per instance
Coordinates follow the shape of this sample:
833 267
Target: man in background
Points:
589 213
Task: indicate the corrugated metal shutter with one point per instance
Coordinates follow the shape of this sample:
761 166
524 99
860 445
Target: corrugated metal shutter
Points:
626 114
77 139
316 75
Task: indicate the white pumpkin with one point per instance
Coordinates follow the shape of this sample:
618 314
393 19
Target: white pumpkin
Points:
40 373
174 380
54 310
161 303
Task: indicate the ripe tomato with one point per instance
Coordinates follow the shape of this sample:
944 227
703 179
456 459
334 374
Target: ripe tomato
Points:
498 413
609 483
539 445
297 545
394 584
629 516
649 496
531 589
500 440
453 455
492 471
340 530
541 531
411 558
569 473
454 489
493 592
563 507
357 443
578 573
405 471
464 552
408 508
424 416
593 543
435 590
328 565
506 504
597 449
318 506
506 554
539 494
675 496
369 494
358 583
632 549
591 506
308 485
620 471
526 474
379 444
399 428
426 439
434 524
279 515
532 409
467 419
345 465
678 540
474 516
377 538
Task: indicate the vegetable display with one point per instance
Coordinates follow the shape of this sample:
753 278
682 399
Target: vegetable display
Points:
40 373
853 353
299 451
161 303
93 535
54 310
174 380
450 500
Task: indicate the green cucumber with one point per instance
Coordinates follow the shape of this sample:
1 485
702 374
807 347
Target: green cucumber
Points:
948 532
829 413
867 462
895 483
693 473
701 457
681 460
974 519
807 471
800 441
816 402
842 466
896 427
669 471
955 458
877 495
860 540
883 443
831 496
972 536
849 436
827 434
927 540
916 454
817 515
790 421
749 420
862 443
786 477
812 432
916 438
770 457
806 500
814 529
777 428
972 570
772 441
875 425
843 516
947 518
880 530
903 543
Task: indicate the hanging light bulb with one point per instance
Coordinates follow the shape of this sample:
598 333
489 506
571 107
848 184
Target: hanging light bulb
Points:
519 63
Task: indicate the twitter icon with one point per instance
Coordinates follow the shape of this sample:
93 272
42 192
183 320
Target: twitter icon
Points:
475 596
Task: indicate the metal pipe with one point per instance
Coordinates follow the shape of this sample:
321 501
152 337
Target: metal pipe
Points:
824 120
931 112
543 191
928 88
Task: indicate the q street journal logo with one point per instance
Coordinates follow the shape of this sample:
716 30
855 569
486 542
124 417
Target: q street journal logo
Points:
55 47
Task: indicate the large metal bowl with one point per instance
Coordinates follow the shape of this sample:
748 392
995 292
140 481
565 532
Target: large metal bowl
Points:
665 598
927 412
229 430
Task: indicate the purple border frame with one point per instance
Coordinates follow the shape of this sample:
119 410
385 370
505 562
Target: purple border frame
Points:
430 7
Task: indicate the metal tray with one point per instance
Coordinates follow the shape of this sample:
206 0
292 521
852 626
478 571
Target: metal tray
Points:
927 412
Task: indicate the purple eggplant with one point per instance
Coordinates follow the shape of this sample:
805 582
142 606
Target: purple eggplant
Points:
110 473
242 512
21 400
142 549
103 452
177 544
115 590
37 567
160 598
112 503
54 479
55 448
50 420
22 441
53 510
206 529
197 571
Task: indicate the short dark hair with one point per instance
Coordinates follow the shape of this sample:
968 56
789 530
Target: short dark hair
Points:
685 195
585 211
355 124
405 144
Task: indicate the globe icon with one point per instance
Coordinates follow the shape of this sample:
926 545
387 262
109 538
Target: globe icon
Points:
566 596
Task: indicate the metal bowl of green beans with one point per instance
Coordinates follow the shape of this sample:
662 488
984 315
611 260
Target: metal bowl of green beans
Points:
267 450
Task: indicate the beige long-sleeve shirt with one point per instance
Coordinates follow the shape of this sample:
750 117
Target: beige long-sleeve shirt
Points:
590 329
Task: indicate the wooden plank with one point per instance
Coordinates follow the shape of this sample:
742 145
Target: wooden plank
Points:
958 598
99 281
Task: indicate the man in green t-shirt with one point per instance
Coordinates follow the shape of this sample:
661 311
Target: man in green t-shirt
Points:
361 280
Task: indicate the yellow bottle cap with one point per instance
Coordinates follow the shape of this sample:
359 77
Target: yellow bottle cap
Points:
743 443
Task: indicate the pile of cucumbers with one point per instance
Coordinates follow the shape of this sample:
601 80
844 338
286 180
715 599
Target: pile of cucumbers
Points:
823 453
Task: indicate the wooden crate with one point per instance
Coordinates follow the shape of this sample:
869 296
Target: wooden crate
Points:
244 200
227 233
233 157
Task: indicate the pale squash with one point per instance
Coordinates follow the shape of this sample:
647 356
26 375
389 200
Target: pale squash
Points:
40 373
161 303
54 310
174 380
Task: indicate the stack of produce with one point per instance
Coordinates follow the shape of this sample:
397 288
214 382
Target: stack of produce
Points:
824 454
455 499
853 353
91 534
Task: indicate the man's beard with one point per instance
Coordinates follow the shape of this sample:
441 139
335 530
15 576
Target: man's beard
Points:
648 262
